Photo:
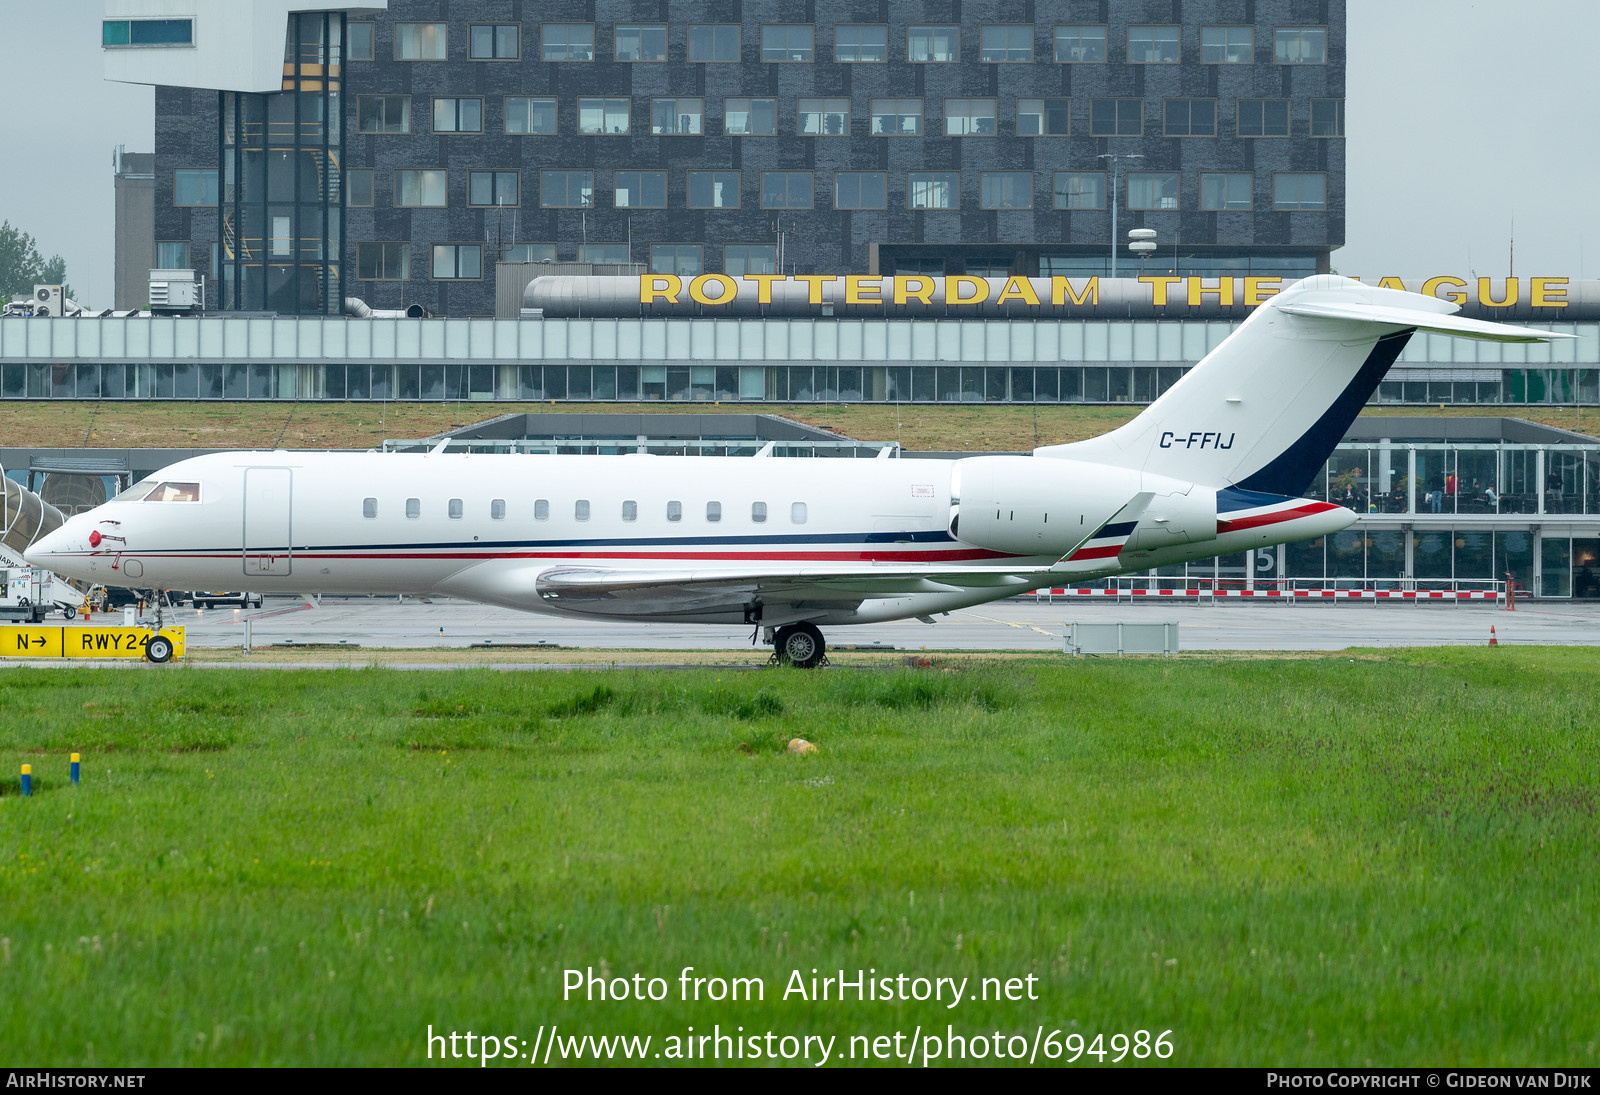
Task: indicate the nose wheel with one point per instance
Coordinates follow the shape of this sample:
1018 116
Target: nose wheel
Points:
799 645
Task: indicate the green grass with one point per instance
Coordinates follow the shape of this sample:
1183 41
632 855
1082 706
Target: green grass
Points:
1385 859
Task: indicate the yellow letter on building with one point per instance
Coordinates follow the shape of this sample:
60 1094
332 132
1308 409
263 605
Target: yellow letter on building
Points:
1547 292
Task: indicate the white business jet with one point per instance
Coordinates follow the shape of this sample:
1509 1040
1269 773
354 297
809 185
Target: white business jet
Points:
1217 465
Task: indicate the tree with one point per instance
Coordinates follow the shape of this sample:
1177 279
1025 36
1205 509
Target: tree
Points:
22 267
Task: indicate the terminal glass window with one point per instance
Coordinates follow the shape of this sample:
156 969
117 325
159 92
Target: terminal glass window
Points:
641 42
933 190
713 190
383 261
500 42
897 117
786 190
710 42
861 190
541 509
1116 117
823 117
458 115
498 188
683 259
1327 117
933 45
172 255
969 118
750 117
383 113
358 41
611 116
1227 45
531 252
566 189
369 508
713 511
1152 45
413 508
1006 43
787 42
758 512
1299 191
1079 44
1225 190
419 189
497 509
195 187
630 510
567 42
1263 117
739 259
797 512
1044 117
358 187
420 41
1300 46
1152 190
604 252
860 44
530 115
640 190
1006 190
457 261
680 117
674 511
116 33
1080 190
1191 118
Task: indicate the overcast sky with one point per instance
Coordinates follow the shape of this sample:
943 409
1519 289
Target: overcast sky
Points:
1461 117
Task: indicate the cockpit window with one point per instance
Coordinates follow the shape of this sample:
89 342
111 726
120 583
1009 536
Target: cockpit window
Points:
135 492
175 492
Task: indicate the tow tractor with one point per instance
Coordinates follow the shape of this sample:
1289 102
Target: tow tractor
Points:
31 593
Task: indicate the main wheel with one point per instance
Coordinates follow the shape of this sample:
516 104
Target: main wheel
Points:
159 650
800 645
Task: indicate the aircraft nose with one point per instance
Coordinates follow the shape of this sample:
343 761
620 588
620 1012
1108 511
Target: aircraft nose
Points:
42 550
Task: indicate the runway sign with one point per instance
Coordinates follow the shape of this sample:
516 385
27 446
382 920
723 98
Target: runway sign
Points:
82 642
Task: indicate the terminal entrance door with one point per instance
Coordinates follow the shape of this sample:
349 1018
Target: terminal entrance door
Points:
268 493
1586 568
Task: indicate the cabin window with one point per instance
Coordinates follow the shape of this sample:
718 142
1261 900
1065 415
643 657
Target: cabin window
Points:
713 511
413 508
797 512
457 508
369 508
497 509
580 509
175 492
674 511
630 511
137 491
541 509
758 512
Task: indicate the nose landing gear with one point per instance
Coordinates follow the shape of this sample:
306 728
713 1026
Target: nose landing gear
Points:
799 645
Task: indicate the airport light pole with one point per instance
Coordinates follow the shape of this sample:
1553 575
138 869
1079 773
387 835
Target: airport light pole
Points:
1113 157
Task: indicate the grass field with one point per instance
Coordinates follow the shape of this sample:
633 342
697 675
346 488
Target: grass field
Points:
1327 860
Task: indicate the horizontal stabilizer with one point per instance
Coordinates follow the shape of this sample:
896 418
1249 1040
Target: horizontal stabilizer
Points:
1421 320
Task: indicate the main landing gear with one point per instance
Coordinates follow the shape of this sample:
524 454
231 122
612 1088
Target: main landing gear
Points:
799 645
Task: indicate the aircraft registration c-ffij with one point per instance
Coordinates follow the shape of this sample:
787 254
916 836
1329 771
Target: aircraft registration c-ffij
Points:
1217 465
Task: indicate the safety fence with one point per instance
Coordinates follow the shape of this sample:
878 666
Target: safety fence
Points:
1288 590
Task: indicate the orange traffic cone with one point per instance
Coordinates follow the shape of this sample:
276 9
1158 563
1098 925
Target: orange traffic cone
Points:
1492 640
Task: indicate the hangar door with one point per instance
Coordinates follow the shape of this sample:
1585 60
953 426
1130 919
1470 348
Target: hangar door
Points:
268 493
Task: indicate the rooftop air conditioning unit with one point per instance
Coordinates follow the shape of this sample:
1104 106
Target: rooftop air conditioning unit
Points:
49 300
176 290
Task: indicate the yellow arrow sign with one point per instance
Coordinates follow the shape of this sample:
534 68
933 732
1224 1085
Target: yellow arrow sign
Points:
30 642
82 642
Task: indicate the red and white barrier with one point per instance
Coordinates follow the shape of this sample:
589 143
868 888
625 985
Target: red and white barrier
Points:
1281 594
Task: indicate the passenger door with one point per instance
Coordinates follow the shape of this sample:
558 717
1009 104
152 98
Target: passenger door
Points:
268 493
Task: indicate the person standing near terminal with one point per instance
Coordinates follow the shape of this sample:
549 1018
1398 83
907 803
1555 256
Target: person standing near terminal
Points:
1436 492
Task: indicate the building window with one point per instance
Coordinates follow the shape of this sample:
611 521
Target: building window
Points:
541 509
860 44
1080 190
739 259
494 188
530 252
639 190
420 41
1300 191
1006 190
358 187
383 261
713 190
383 113
1152 190
1152 45
933 45
713 42
641 42
1327 117
677 117
1225 191
497 509
1078 44
861 190
452 261
566 189
580 509
609 116
750 117
1191 118
897 117
823 117
933 190
630 510
614 253
172 255
1000 44
786 190
358 41
1300 46
1227 45
1263 117
458 115
526 115
785 42
1043 117
797 512
194 186
415 189
567 42
499 42
969 118
413 508
682 259
1116 117
118 33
